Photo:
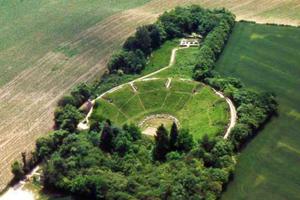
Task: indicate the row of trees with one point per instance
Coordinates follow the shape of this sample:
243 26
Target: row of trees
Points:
116 140
108 162
119 163
66 117
254 108
212 47
176 23
67 114
45 146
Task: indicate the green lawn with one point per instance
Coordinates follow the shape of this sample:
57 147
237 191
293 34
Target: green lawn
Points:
189 86
152 85
123 93
268 58
185 61
31 28
161 57
201 112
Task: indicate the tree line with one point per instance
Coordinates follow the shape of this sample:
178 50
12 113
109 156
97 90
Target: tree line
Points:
253 108
109 162
173 24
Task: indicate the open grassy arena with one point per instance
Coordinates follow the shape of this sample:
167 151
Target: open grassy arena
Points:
48 47
267 57
195 106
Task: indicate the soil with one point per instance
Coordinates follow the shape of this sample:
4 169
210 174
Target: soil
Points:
150 124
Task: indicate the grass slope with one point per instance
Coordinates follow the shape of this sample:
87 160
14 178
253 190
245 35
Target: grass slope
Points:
201 112
47 47
267 57
161 57
183 66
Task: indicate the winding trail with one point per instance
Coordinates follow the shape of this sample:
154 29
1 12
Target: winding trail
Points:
18 191
233 113
28 101
84 124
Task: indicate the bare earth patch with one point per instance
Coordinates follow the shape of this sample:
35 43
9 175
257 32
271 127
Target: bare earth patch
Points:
150 124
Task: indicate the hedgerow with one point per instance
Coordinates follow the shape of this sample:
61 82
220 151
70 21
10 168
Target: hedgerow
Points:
254 108
108 162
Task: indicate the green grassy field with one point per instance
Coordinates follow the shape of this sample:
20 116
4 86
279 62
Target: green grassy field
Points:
195 106
47 47
268 58
161 57
184 64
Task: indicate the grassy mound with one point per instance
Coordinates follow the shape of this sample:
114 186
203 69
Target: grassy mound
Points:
194 105
267 58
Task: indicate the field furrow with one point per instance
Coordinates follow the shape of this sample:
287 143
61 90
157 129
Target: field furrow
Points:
28 99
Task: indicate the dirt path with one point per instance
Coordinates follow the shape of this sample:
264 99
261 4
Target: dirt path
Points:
233 113
18 191
84 124
28 101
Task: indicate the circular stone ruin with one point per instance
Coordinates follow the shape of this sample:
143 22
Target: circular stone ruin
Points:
150 124
150 103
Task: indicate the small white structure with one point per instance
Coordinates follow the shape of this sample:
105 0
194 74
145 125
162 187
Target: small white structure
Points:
192 40
83 126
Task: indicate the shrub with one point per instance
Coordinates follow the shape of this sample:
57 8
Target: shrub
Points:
67 118
17 170
127 61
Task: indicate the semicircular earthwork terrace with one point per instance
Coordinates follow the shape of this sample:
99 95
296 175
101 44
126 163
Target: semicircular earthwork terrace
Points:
195 105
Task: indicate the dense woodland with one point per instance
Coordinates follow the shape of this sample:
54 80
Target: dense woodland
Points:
109 162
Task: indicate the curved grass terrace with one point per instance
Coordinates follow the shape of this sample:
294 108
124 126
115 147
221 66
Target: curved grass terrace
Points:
195 105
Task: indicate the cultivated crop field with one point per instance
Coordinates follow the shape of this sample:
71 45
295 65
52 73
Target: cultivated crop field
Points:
268 58
179 100
48 47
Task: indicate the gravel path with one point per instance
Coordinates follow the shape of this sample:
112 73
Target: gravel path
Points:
83 125
233 113
19 192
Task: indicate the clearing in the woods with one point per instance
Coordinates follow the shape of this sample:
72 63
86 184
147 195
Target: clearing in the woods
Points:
48 47
196 106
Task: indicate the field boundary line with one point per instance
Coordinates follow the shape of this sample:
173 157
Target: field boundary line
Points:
142 104
163 104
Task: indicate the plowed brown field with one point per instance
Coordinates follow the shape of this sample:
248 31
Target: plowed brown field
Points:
28 100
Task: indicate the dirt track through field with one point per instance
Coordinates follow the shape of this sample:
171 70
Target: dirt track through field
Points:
28 101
